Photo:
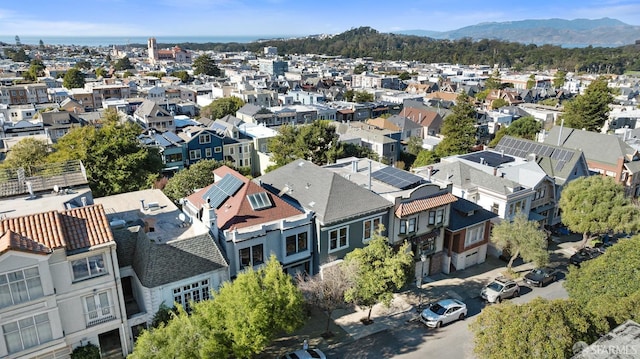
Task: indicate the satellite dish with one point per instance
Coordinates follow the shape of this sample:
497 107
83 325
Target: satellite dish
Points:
182 217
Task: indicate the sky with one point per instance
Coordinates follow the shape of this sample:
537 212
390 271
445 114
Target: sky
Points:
283 17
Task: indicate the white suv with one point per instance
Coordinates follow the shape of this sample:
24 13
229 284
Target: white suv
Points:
501 288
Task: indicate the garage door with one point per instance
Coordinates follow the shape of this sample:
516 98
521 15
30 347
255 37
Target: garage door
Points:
471 259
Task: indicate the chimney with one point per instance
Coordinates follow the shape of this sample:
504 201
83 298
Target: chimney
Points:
210 220
429 172
481 160
495 171
84 201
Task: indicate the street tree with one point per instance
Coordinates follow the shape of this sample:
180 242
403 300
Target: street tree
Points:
523 238
26 153
591 109
379 270
326 290
525 127
559 79
608 286
197 176
74 78
205 65
539 329
458 129
221 107
595 205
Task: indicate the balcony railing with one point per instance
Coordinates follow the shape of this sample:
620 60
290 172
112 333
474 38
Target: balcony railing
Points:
100 315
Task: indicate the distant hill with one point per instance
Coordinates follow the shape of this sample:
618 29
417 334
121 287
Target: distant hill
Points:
603 32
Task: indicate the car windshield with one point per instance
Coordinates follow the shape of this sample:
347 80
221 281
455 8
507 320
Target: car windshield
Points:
495 286
437 308
537 273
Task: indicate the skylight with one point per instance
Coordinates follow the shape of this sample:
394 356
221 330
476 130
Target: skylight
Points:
259 201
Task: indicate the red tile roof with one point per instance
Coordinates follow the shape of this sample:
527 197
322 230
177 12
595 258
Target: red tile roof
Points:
72 229
423 204
12 241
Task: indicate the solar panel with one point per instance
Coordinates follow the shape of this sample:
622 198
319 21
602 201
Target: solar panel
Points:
397 178
559 166
223 189
259 200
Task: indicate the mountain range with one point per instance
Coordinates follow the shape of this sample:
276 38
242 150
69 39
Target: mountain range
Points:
605 32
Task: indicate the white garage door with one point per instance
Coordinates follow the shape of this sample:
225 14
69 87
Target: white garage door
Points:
471 259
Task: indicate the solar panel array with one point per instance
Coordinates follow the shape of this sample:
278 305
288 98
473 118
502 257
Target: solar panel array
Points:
397 178
259 201
522 148
225 188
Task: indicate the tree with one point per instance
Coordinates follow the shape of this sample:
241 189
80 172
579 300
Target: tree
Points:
83 64
75 145
525 127
362 96
74 78
240 321
127 74
205 65
404 76
326 290
222 107
41 44
183 76
497 103
36 68
493 82
559 79
608 286
101 72
531 82
414 145
591 109
122 64
359 68
425 157
597 204
353 150
539 329
197 176
379 270
316 142
458 129
26 153
349 95
521 237
87 351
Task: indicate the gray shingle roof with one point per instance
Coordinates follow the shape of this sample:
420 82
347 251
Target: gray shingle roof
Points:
466 176
597 147
459 218
159 264
332 197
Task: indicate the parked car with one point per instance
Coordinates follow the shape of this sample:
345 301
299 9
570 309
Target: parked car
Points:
443 312
305 354
499 289
539 277
584 254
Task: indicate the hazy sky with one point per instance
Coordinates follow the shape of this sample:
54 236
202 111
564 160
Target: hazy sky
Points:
283 17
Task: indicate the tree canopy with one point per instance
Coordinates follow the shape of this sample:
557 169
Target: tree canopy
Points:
493 82
591 109
379 271
559 79
36 68
525 127
458 129
205 65
198 175
243 317
595 205
221 107
123 64
362 96
26 153
316 142
539 329
608 286
521 237
74 78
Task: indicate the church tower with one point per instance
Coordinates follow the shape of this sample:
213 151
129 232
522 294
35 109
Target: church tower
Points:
152 47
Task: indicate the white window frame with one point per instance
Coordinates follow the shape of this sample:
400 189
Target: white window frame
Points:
217 149
474 235
195 154
98 308
338 236
23 281
207 152
439 216
96 267
372 223
193 292
40 323
204 138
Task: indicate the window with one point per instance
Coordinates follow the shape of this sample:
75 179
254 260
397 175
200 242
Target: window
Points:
403 226
297 243
207 152
20 286
495 208
27 332
88 267
474 235
370 227
195 154
193 292
217 149
412 225
338 239
230 150
440 216
432 217
98 308
427 247
251 256
204 138
176 157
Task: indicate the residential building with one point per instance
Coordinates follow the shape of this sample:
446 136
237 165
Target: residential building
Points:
29 94
385 143
170 146
273 68
151 115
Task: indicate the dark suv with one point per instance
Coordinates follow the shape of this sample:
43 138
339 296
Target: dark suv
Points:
584 254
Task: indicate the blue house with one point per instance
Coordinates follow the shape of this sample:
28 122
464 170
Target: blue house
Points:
201 143
170 146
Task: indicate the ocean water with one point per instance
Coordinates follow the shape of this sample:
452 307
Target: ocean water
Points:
124 40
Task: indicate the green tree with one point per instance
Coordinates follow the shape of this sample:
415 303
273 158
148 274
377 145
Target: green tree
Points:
127 74
359 68
362 96
41 44
458 129
531 82
74 78
608 286
353 150
525 127
591 109
349 95
87 351
183 76
559 79
101 72
549 102
26 153
197 176
379 270
523 238
83 64
36 68
597 204
243 317
316 142
404 76
539 329
222 107
493 82
482 95
497 103
414 145
75 145
122 64
205 65
425 157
